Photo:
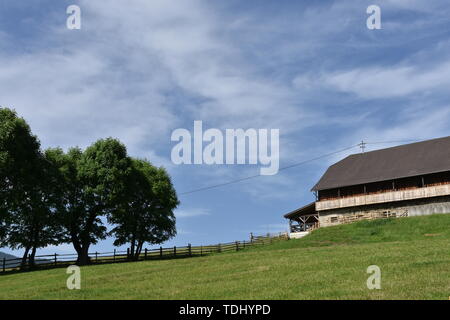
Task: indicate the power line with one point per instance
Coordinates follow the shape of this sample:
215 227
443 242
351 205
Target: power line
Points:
259 175
361 145
395 141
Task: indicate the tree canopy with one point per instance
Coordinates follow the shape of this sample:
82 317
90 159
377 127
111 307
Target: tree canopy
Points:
145 213
54 197
28 190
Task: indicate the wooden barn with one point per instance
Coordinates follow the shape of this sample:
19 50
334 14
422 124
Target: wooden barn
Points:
406 180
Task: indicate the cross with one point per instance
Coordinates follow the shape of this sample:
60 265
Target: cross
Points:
362 145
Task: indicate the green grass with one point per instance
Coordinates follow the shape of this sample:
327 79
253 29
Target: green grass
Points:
331 263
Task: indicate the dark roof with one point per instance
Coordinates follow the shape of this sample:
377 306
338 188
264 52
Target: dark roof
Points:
308 209
403 161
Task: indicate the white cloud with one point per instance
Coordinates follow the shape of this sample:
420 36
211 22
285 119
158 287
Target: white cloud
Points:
191 212
389 82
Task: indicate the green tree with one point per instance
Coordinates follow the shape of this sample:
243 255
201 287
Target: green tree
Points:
27 189
146 210
91 184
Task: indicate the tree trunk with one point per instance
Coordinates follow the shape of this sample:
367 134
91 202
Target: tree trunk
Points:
83 256
132 249
138 250
32 262
23 264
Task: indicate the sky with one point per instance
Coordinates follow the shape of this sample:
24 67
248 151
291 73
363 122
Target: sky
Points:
137 70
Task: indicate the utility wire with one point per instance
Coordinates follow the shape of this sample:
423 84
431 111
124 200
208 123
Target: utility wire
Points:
395 141
259 175
291 166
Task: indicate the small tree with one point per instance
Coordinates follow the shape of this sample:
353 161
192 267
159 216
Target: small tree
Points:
146 210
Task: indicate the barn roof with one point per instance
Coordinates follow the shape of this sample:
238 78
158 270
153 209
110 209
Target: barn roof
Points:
306 210
430 156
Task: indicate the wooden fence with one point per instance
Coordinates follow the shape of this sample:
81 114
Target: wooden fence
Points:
61 260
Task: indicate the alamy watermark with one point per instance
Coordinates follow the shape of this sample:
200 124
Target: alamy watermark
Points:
73 21
374 20
235 146
74 280
374 280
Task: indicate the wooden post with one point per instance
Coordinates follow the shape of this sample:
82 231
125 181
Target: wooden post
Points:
160 252
114 256
175 251
190 250
55 260
4 264
96 256
237 245
219 249
145 255
128 253
201 250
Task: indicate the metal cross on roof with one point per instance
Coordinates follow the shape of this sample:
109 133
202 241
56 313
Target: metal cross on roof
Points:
362 145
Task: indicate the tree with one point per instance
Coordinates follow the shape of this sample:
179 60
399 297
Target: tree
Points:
146 210
92 183
27 189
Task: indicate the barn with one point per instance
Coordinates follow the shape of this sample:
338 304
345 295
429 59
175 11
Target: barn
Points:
407 180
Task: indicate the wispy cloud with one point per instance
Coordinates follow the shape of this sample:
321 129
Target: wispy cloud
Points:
389 82
192 212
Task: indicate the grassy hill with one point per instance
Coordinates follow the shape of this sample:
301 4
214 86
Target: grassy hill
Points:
331 263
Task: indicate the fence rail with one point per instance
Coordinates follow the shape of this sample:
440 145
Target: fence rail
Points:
60 260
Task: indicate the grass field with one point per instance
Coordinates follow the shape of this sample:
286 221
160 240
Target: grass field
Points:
331 263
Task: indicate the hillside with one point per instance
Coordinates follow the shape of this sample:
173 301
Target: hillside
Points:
330 263
7 256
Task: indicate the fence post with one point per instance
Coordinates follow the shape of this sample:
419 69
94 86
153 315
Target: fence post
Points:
237 245
114 257
4 264
160 252
55 260
190 250
175 251
201 250
145 257
219 247
96 256
128 253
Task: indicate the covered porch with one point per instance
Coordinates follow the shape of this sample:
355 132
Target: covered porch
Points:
303 219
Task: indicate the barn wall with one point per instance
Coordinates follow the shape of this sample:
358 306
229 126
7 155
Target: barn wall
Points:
409 208
385 197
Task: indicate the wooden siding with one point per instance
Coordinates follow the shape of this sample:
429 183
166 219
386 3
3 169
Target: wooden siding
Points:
385 197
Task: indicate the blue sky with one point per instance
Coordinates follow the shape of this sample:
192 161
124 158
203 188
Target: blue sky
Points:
137 70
